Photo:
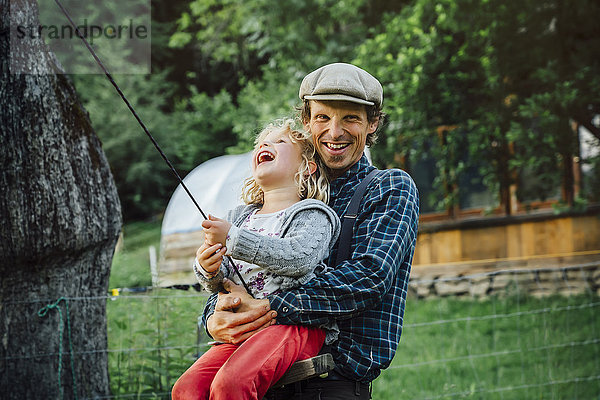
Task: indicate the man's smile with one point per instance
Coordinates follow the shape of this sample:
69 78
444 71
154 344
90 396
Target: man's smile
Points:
336 146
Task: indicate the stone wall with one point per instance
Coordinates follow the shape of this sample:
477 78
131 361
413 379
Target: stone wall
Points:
538 281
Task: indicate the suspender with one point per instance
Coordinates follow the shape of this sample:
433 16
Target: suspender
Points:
350 217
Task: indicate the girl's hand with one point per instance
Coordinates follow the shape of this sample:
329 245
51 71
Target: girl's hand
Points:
215 230
210 257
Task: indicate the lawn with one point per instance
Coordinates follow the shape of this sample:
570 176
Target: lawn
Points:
513 347
517 347
130 267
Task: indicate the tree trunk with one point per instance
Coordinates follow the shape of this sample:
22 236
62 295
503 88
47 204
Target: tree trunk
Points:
60 219
566 145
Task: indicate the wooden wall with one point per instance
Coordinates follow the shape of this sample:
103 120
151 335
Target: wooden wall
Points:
177 252
507 238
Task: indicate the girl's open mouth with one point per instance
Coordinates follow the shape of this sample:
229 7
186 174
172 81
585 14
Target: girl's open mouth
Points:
264 156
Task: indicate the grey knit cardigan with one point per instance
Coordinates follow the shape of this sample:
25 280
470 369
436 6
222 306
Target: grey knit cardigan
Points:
309 232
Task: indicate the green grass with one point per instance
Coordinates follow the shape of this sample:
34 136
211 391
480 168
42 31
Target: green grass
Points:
499 348
153 338
131 262
513 347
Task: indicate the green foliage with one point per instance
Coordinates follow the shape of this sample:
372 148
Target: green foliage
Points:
260 50
243 33
504 72
144 181
433 60
205 126
152 340
109 27
503 79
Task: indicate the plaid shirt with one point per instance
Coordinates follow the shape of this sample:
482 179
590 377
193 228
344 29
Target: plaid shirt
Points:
366 294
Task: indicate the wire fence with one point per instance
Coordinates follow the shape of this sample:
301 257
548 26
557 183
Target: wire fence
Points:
494 335
514 333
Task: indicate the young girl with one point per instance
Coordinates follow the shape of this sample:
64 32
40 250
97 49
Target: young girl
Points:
278 240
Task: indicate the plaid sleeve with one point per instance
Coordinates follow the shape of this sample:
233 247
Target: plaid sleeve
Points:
209 309
385 233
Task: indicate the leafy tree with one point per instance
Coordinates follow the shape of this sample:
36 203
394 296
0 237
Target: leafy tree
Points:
555 80
260 50
502 80
480 94
197 129
434 77
144 181
205 126
229 68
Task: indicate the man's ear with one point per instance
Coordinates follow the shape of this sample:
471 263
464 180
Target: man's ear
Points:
306 117
312 167
373 125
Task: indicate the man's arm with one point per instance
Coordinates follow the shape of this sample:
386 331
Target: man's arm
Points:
385 234
235 316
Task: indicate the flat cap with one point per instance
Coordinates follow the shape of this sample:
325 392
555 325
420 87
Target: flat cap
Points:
340 81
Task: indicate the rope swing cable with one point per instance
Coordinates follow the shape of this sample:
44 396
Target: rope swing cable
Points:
154 142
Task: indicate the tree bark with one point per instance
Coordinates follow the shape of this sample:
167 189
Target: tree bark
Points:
567 146
60 220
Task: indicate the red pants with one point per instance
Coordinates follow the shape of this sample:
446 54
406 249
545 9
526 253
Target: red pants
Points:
246 371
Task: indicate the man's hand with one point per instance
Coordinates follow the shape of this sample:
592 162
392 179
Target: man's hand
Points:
238 316
215 230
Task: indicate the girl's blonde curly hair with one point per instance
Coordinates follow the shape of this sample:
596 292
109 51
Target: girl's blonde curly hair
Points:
310 186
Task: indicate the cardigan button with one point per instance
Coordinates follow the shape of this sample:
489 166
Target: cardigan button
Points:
285 309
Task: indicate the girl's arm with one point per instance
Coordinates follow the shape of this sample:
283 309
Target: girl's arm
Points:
204 267
212 284
306 243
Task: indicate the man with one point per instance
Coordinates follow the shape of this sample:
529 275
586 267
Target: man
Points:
365 295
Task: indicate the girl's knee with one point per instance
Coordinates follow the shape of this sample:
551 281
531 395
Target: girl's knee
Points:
227 385
184 389
178 391
223 382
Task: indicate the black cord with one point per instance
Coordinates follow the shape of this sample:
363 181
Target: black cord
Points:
154 142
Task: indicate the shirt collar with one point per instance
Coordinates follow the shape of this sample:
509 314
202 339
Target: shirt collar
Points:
356 173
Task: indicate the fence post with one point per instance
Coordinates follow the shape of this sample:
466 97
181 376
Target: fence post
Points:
153 268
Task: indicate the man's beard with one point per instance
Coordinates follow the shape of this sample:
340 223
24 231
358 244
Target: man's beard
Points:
336 158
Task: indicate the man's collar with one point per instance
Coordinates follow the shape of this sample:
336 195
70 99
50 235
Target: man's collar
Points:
355 172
